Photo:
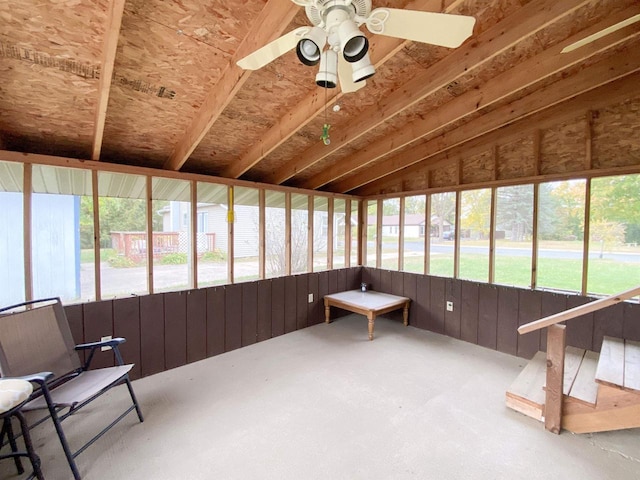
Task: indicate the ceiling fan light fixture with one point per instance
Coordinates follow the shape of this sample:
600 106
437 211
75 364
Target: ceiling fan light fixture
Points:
309 48
363 69
353 43
327 76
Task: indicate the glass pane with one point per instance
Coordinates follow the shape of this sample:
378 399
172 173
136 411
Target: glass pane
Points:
354 232
560 235
172 251
443 220
246 219
212 234
11 234
320 233
414 232
513 234
614 234
62 234
475 224
390 233
338 233
372 222
275 235
299 232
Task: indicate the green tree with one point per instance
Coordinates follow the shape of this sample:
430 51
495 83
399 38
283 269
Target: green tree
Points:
443 208
475 212
515 211
617 199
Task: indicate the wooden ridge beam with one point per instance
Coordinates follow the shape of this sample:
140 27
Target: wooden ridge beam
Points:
527 21
382 49
270 24
112 32
523 75
600 97
599 74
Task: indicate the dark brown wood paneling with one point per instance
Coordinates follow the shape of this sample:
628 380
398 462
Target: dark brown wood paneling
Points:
488 316
74 317
98 323
323 289
435 309
302 301
249 313
126 324
469 312
152 334
333 281
277 307
233 317
215 320
354 275
507 340
631 321
385 281
397 283
409 289
196 325
580 329
264 310
452 319
421 306
175 329
342 280
365 277
610 322
374 280
551 303
529 310
290 304
315 309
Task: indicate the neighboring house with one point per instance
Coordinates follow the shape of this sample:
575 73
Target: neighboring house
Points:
414 225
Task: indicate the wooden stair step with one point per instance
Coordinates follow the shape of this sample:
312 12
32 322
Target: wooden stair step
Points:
526 394
619 364
572 361
584 387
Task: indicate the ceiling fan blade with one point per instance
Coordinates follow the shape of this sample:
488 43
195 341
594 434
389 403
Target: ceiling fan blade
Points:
601 33
345 75
440 29
273 50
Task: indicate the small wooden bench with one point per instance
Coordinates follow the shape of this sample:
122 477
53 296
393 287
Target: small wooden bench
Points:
367 303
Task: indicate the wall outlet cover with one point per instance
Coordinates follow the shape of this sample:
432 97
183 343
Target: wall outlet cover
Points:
449 306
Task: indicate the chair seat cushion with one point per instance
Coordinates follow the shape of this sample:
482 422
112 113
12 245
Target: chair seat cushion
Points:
13 392
82 387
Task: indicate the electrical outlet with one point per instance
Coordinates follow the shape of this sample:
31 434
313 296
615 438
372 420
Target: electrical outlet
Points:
104 339
311 298
449 306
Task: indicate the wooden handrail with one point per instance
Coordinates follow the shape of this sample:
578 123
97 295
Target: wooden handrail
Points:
580 310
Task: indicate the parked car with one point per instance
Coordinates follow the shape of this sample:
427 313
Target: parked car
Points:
449 235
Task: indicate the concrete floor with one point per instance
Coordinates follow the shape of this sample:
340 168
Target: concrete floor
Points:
325 403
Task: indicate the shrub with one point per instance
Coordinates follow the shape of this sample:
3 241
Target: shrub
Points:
215 256
174 259
119 261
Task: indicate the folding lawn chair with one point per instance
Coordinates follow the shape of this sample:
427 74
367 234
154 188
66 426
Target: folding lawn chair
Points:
36 344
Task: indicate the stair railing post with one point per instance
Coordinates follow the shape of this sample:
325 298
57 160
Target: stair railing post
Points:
556 339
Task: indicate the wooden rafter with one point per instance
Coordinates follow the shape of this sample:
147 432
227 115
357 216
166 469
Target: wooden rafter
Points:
597 98
528 20
590 78
112 32
383 48
270 24
525 74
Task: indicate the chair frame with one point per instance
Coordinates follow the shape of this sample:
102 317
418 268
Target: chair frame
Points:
46 383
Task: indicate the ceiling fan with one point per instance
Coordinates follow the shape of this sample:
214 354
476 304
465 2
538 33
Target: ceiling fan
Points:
336 42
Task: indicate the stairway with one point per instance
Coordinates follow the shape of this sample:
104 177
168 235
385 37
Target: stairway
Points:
601 392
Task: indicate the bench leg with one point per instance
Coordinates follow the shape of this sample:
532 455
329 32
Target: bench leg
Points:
405 314
371 319
327 310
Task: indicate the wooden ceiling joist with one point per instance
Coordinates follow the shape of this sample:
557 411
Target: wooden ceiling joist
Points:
601 73
523 75
112 32
274 18
530 19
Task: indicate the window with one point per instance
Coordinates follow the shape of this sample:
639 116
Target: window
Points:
213 234
123 234
246 221
338 233
475 225
12 279
299 232
443 220
275 238
390 236
414 221
371 207
320 233
560 234
354 232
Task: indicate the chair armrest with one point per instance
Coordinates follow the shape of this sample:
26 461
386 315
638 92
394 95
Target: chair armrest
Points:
39 378
114 342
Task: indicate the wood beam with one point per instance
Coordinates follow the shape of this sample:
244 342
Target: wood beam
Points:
382 49
528 20
556 340
592 77
110 45
600 97
542 66
270 24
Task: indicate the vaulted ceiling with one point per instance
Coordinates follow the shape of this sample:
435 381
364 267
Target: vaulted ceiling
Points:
155 83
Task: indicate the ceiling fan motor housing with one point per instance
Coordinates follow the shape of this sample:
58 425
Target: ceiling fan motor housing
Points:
317 11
